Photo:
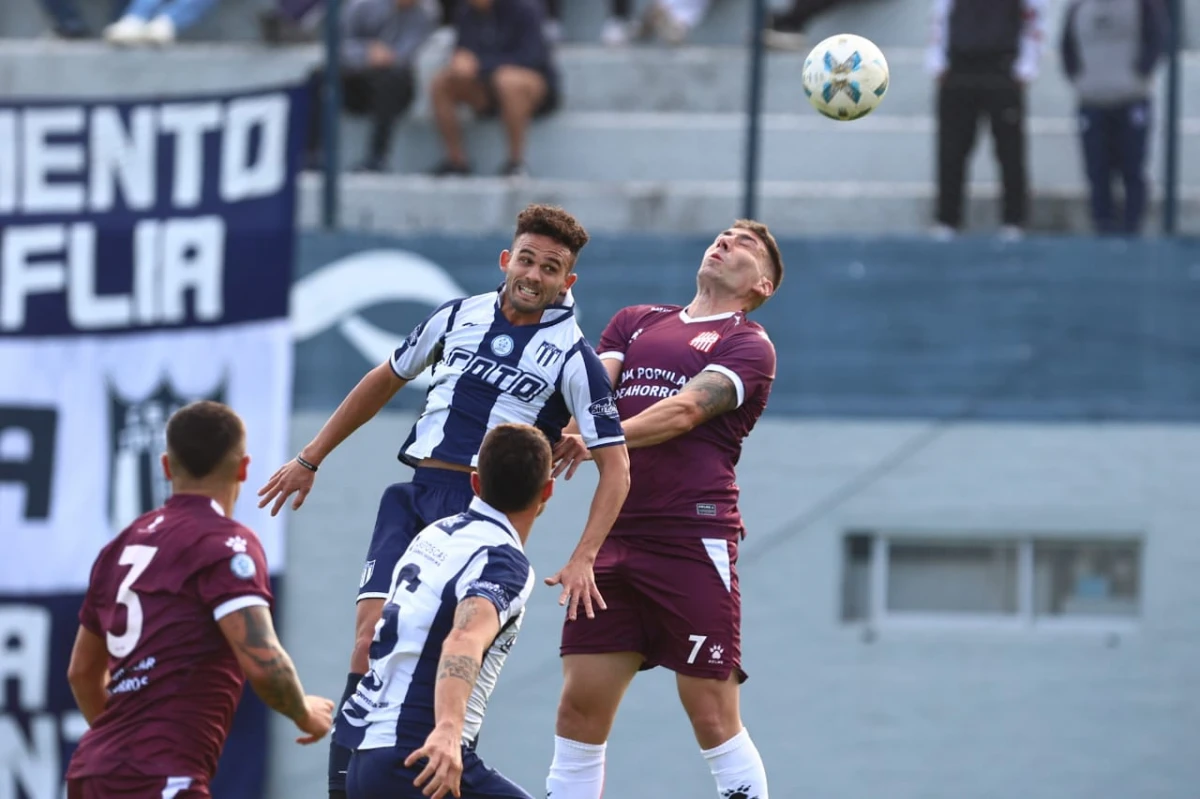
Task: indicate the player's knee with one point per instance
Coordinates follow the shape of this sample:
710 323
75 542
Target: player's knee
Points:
582 719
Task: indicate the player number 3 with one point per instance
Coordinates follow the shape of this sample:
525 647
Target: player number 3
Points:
138 557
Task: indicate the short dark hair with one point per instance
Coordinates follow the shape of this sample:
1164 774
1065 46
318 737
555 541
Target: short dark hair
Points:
764 235
552 222
514 465
200 436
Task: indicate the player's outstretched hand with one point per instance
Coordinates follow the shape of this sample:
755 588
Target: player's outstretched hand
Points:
569 453
317 721
442 754
578 586
292 478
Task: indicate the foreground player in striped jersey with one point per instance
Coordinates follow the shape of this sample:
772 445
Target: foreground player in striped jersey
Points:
453 610
512 355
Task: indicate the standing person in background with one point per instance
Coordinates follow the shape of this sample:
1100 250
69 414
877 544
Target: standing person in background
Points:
502 65
1109 51
983 55
380 42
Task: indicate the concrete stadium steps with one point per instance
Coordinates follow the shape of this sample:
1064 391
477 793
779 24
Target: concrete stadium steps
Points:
489 205
800 147
715 80
706 80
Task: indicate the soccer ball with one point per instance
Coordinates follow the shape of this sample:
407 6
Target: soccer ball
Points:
845 77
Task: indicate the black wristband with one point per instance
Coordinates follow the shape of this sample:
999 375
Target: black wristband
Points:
312 467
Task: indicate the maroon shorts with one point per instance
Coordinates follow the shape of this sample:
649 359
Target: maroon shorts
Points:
674 600
136 787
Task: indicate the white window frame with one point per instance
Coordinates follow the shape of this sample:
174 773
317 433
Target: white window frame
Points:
878 614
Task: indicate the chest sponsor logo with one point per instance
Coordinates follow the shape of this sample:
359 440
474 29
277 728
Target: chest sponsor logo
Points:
523 385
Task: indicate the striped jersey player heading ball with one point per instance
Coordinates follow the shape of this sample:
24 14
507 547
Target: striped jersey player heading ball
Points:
514 355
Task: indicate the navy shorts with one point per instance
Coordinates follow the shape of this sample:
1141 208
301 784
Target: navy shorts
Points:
405 510
381 774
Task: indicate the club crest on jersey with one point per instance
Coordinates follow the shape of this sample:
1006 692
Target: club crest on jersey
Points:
705 341
547 353
368 570
137 437
502 345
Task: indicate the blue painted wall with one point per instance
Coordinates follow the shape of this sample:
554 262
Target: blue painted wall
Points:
1065 329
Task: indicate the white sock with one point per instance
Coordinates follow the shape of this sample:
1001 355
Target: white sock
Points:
577 771
737 768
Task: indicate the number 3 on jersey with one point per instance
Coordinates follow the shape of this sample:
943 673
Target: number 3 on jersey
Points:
389 632
137 557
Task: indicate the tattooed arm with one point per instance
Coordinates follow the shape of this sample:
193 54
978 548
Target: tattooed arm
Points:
251 635
476 625
706 395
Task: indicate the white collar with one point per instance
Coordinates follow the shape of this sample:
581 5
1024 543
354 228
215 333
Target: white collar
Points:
484 509
687 320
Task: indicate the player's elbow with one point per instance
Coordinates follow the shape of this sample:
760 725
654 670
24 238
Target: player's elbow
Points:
471 642
689 414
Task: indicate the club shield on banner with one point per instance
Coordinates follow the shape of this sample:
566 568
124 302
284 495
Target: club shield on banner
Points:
146 252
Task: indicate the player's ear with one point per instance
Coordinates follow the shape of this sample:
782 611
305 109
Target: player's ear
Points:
548 490
166 466
570 281
505 260
476 484
243 468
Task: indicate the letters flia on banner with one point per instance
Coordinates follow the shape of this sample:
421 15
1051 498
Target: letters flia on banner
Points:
145 262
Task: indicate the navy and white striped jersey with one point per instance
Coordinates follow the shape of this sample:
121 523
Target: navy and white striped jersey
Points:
476 553
488 371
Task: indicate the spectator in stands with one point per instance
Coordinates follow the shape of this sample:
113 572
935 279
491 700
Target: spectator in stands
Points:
983 54
156 21
785 29
380 41
68 23
1109 51
672 20
617 30
501 65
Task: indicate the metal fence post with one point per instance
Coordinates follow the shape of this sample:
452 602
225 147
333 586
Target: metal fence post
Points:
1171 160
754 109
331 103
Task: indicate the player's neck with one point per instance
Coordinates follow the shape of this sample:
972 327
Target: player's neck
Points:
522 522
706 303
223 495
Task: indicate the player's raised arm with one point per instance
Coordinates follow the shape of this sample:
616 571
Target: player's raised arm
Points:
476 625
268 667
365 400
88 673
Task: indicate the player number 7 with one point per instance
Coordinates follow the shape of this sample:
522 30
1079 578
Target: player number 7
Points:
698 640
139 557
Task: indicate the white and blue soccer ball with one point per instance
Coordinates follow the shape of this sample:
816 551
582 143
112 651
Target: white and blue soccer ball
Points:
845 77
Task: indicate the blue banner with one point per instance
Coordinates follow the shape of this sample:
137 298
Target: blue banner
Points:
146 254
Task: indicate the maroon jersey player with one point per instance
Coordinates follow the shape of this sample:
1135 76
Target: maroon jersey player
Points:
690 383
176 617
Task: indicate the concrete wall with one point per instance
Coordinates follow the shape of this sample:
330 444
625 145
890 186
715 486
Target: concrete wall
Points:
900 713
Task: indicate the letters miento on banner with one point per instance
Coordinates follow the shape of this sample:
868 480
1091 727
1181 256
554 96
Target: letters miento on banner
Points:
145 261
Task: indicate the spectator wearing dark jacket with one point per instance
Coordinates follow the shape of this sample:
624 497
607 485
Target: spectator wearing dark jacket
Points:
502 66
1109 51
380 41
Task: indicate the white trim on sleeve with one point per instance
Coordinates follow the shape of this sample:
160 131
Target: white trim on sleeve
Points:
612 355
732 375
239 603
